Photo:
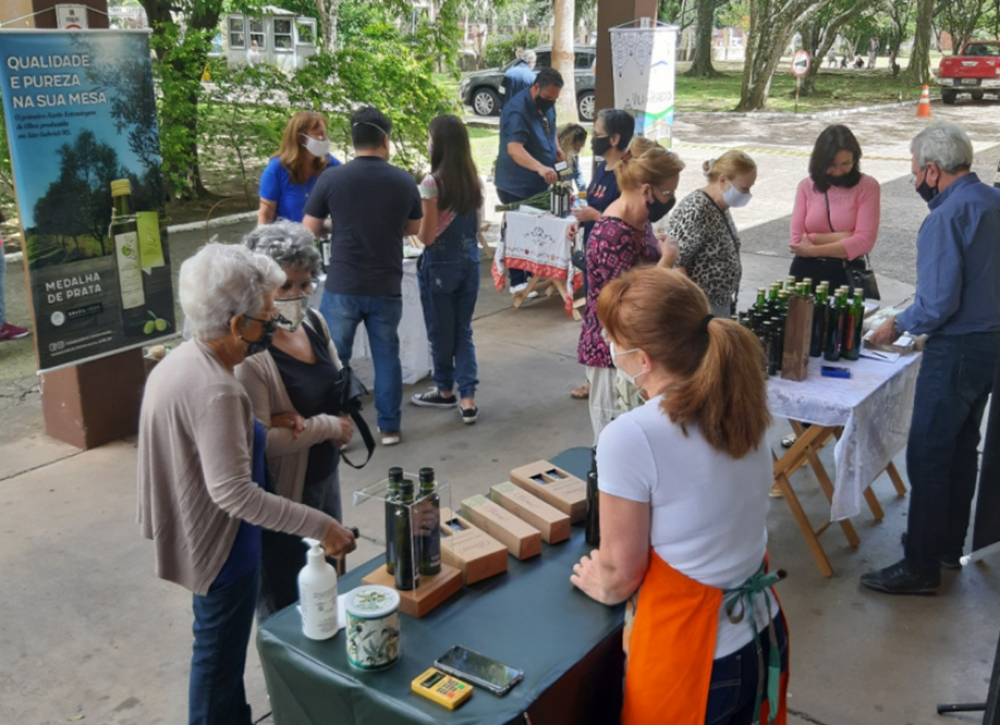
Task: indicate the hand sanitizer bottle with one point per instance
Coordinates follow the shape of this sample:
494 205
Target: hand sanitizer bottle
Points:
318 594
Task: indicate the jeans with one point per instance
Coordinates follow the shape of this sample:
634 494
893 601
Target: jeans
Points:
448 273
3 278
517 276
222 622
954 383
733 690
381 315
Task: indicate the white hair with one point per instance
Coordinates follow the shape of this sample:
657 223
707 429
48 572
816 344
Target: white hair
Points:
222 281
288 243
946 144
528 57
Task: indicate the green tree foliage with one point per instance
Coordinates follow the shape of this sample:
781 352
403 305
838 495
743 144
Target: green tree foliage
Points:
500 49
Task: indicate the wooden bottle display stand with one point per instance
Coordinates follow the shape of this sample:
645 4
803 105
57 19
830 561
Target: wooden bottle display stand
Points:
433 590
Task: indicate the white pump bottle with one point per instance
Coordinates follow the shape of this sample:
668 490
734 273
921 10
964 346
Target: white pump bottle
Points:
318 594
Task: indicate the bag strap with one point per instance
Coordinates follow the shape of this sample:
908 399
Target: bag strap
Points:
366 435
829 219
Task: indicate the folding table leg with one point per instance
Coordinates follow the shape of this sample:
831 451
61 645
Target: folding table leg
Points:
897 480
812 540
521 296
821 475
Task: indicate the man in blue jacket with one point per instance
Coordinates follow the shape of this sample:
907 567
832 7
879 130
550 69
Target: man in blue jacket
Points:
957 306
519 76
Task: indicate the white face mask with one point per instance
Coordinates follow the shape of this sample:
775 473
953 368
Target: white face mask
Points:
318 148
631 379
291 312
734 198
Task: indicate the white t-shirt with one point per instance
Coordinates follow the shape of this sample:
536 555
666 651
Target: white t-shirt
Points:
709 510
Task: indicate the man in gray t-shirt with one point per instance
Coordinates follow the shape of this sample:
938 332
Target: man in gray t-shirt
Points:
372 205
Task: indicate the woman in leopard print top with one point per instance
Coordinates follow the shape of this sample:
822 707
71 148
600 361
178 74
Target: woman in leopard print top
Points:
704 228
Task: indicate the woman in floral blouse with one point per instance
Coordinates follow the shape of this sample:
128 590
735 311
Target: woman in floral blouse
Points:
648 178
704 228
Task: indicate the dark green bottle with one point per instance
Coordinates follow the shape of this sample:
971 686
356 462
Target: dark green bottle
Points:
856 331
429 529
593 528
769 340
835 329
820 312
392 496
761 302
407 573
807 281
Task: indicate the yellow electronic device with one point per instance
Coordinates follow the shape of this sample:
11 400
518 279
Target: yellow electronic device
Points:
441 688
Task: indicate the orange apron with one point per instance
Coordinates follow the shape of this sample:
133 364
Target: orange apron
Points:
669 642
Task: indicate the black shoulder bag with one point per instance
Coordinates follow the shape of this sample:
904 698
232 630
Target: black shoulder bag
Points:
347 392
859 271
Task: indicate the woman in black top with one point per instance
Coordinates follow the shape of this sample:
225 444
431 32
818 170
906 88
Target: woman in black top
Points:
291 387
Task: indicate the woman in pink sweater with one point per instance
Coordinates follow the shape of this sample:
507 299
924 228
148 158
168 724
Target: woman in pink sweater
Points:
837 209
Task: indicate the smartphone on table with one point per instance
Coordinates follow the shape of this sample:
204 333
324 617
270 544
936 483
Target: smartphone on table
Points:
479 669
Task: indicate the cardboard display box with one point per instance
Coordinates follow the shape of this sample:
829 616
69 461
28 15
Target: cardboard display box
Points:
521 539
554 486
553 524
798 336
477 554
433 590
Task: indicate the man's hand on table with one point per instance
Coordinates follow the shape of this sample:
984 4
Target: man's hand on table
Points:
885 334
549 174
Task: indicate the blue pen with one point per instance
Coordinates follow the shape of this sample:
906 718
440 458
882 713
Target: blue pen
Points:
829 371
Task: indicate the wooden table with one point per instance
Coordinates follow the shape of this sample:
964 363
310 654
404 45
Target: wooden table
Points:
867 417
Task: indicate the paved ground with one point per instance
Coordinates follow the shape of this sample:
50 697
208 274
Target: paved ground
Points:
89 631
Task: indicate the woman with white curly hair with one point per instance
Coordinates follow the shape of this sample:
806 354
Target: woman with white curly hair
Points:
291 387
201 471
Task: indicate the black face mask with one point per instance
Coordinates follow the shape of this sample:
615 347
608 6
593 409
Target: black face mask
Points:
926 191
268 328
848 180
600 145
544 104
659 209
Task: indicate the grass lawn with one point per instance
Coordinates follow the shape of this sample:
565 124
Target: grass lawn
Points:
485 143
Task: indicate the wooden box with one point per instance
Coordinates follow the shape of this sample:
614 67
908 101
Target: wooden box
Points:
555 487
433 590
521 539
553 523
477 554
798 336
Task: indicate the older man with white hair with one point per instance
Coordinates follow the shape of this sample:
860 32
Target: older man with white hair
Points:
957 306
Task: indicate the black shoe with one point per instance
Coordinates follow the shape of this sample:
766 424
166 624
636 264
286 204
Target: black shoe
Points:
433 399
947 560
903 577
469 415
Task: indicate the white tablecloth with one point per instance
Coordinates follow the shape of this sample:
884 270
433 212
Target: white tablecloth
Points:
874 407
414 350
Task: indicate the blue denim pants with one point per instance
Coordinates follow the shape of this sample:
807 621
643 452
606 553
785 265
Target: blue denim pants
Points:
448 273
381 315
3 279
953 385
222 622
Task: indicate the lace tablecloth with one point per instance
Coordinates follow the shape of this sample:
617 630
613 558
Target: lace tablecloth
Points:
537 243
874 408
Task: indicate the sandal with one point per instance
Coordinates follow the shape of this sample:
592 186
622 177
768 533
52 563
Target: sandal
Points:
581 393
789 441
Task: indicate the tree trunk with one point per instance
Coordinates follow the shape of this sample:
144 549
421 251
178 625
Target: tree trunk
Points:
328 11
918 71
701 65
563 60
768 36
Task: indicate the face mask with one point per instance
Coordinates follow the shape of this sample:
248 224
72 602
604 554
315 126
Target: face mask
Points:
734 198
266 337
848 180
317 148
544 104
600 145
628 377
291 312
658 209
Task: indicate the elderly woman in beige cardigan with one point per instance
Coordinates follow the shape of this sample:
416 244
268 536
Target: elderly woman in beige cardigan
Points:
291 388
201 472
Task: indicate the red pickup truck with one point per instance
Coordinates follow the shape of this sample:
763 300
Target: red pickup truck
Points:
976 70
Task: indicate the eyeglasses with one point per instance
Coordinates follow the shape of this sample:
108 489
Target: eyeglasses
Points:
306 288
667 193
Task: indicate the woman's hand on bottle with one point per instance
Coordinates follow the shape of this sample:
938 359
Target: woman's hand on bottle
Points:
346 431
338 540
586 214
289 420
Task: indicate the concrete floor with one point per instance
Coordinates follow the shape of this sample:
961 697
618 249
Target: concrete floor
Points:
89 634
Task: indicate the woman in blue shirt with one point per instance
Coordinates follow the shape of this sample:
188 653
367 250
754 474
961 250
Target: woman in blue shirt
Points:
292 172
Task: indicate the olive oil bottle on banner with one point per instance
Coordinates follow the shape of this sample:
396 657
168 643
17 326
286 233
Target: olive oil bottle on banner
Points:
407 574
429 518
124 233
391 499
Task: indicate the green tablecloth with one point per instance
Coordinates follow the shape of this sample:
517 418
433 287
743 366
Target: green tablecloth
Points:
531 618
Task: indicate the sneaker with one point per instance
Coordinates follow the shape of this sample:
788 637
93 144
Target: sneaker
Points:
903 577
469 415
389 438
433 399
789 441
515 288
12 332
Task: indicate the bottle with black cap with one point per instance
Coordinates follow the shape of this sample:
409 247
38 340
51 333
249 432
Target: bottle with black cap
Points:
429 524
407 573
391 498
593 528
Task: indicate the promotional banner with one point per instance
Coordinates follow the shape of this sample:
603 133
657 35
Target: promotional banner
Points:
644 64
80 112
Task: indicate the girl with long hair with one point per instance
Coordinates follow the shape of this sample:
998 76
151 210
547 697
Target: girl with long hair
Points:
685 545
448 269
291 174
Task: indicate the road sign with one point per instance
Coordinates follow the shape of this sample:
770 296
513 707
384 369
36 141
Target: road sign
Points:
800 63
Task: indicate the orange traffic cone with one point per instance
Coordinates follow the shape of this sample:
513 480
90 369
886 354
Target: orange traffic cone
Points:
924 107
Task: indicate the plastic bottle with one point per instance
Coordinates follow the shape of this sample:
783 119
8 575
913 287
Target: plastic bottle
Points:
429 531
318 594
